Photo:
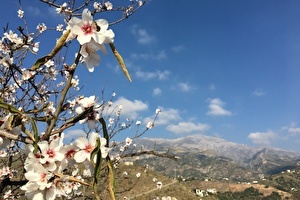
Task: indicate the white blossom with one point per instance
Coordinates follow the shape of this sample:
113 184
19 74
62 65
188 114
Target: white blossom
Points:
108 5
35 47
20 13
97 6
60 27
86 29
41 27
150 125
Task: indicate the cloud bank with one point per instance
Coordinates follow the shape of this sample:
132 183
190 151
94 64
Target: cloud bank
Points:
216 108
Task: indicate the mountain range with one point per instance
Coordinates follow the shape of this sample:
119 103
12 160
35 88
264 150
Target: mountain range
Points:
206 157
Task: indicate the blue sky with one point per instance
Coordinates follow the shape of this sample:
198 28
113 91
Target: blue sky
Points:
229 69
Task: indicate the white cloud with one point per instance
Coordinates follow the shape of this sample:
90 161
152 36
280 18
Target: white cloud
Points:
53 12
159 56
216 108
178 49
294 130
160 75
258 92
143 37
184 87
166 116
187 127
163 75
262 138
130 109
156 92
73 134
146 75
34 11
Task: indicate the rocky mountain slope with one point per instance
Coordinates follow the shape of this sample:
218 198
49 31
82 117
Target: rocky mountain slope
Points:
211 157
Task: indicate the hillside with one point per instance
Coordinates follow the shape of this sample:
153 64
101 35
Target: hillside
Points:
210 157
145 187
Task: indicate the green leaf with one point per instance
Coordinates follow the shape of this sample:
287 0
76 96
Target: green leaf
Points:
59 44
40 62
96 152
120 61
15 120
9 108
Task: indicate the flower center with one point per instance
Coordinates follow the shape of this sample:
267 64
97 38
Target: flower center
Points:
43 177
70 153
87 29
38 155
51 153
88 148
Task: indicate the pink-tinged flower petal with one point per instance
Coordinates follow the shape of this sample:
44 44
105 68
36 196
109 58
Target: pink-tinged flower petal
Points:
84 51
79 110
92 61
55 144
99 38
69 150
43 145
93 138
51 166
76 29
102 23
30 186
102 48
86 16
87 101
109 36
74 21
51 193
103 142
59 156
90 55
93 34
81 142
38 196
32 176
82 39
80 156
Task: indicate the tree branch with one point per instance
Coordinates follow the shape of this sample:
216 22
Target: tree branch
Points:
11 136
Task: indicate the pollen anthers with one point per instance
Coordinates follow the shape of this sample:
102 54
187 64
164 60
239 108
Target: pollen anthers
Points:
91 28
87 29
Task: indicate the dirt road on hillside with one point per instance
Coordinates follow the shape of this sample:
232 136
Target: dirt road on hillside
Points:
152 190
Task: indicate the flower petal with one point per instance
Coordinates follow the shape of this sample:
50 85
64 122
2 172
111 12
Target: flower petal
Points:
81 142
80 156
82 39
86 16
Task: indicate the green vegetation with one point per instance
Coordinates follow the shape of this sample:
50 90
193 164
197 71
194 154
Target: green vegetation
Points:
248 194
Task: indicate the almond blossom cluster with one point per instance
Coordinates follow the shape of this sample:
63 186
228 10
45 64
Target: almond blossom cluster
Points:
6 171
92 35
81 104
46 168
